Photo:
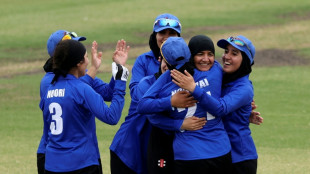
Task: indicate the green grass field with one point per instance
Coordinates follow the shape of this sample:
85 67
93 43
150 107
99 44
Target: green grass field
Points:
281 92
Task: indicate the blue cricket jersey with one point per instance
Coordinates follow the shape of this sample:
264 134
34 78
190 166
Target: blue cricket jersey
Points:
69 108
130 141
145 65
104 89
209 142
235 108
45 82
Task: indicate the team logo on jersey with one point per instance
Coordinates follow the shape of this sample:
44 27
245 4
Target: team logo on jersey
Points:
161 163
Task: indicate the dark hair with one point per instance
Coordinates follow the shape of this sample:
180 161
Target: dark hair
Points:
156 50
68 54
200 43
153 44
48 66
189 67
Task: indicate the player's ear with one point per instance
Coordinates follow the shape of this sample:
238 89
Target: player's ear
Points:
80 63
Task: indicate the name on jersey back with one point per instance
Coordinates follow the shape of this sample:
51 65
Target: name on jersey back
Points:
56 93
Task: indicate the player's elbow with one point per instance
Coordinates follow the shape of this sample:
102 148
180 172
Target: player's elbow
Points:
111 120
115 119
114 122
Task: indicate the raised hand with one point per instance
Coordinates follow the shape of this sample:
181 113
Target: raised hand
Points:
184 81
95 60
120 54
96 56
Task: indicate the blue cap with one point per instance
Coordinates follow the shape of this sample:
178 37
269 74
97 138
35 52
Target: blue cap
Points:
165 21
57 36
174 48
241 43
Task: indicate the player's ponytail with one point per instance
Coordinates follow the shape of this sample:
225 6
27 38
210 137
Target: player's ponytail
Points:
58 73
68 54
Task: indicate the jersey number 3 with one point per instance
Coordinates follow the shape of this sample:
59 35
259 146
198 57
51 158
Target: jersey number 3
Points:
56 126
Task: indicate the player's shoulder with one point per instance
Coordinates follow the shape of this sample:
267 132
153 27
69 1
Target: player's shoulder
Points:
244 81
76 84
79 84
243 84
217 65
216 70
145 56
47 78
147 81
165 77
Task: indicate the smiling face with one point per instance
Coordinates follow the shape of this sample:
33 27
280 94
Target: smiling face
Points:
163 35
232 59
204 60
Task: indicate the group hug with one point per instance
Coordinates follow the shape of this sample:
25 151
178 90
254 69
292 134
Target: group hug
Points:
188 112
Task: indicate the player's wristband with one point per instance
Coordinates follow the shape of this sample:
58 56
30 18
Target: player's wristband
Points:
119 72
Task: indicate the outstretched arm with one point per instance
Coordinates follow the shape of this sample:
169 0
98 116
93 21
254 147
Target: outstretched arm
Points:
151 103
236 98
110 114
105 89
